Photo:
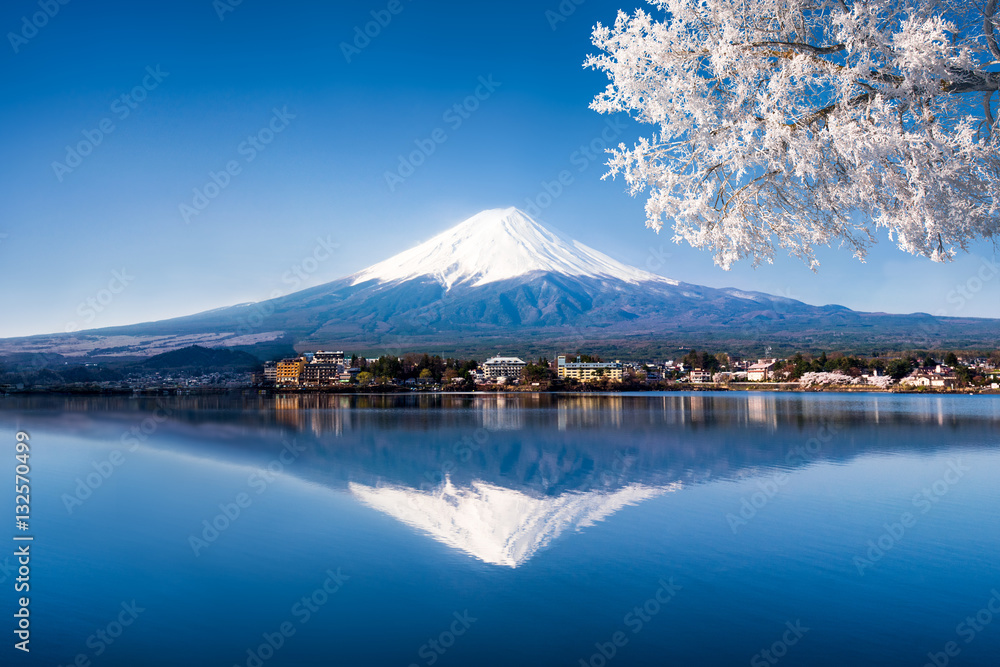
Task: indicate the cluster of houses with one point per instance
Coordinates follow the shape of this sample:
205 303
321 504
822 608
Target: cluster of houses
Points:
942 376
326 368
510 370
318 369
762 370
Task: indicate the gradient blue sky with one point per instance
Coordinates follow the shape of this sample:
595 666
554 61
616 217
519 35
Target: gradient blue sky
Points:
324 174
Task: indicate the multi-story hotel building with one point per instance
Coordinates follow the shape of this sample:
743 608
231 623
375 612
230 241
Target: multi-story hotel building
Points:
588 371
318 374
289 371
507 367
324 357
270 372
323 369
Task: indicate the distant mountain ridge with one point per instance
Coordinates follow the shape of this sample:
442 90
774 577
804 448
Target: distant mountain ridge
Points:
198 357
501 281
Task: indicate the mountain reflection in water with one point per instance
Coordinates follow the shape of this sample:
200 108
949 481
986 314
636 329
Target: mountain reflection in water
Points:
499 476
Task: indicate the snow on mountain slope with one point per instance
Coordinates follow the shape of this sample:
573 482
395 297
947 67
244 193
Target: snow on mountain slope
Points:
499 244
494 524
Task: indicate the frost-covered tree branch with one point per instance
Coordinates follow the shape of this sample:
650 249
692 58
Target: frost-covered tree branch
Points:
801 123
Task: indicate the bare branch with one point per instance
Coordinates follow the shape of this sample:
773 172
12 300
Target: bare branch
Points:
795 46
989 19
812 117
968 81
988 112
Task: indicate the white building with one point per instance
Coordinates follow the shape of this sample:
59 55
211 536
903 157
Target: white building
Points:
762 371
326 357
700 376
922 378
270 372
511 368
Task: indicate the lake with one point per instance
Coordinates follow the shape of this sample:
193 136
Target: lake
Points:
501 529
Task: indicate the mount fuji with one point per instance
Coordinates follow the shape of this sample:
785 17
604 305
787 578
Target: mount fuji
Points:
502 281
499 245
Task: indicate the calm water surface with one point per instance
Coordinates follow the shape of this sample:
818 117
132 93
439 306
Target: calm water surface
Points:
704 529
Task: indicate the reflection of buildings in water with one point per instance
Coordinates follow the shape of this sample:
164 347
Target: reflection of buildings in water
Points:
318 412
502 414
588 411
286 402
329 421
696 408
761 409
495 524
287 411
673 411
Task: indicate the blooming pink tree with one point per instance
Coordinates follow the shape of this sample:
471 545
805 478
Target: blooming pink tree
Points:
801 123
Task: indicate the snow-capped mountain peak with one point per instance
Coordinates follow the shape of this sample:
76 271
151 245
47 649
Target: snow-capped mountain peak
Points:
499 244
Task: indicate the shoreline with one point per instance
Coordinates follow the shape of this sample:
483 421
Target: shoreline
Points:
775 387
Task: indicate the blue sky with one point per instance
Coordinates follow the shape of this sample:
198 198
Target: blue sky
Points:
323 125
